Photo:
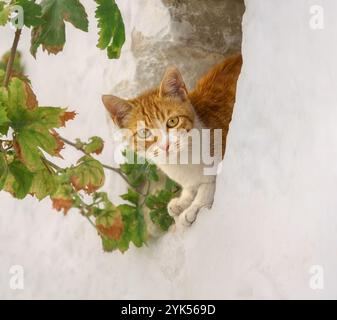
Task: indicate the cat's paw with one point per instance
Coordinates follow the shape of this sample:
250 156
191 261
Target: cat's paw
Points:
175 207
188 216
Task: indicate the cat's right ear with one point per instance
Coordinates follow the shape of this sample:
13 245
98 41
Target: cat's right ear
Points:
172 85
117 107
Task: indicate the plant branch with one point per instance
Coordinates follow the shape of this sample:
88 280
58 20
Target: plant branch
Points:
70 143
76 146
12 57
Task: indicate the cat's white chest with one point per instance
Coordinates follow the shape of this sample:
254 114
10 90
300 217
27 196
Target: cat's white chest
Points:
186 174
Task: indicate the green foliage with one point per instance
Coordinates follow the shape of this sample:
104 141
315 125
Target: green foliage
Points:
51 32
138 170
111 27
23 165
132 196
119 226
25 170
87 175
140 173
17 97
125 223
95 145
158 202
135 228
29 141
44 184
32 126
19 179
48 20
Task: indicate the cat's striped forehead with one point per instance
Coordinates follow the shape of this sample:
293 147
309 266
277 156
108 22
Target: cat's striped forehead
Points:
151 112
154 111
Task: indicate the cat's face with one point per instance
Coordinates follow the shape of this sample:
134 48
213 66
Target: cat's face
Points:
158 121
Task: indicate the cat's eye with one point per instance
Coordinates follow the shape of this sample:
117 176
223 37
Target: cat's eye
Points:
173 122
144 133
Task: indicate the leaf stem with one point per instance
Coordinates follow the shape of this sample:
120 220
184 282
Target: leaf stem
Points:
146 193
73 144
116 170
12 57
51 164
92 223
83 206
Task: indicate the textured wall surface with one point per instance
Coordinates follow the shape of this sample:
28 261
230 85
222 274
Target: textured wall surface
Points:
180 32
274 214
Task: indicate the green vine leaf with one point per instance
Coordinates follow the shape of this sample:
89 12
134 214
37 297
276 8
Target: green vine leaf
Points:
158 205
134 223
54 117
95 145
17 95
33 128
134 230
19 179
111 28
136 168
62 198
110 224
43 184
33 134
51 33
21 94
136 173
131 196
88 175
153 174
29 141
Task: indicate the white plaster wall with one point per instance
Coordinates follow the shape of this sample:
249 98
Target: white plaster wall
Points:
275 211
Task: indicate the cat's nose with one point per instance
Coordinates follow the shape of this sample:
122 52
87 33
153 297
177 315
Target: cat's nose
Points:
165 147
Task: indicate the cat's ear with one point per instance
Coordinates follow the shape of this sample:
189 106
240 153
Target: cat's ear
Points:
173 85
117 107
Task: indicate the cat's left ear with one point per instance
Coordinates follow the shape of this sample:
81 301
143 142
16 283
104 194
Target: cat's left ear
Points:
173 85
118 108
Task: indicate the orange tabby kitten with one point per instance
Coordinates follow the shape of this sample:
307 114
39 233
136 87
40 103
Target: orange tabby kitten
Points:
161 122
